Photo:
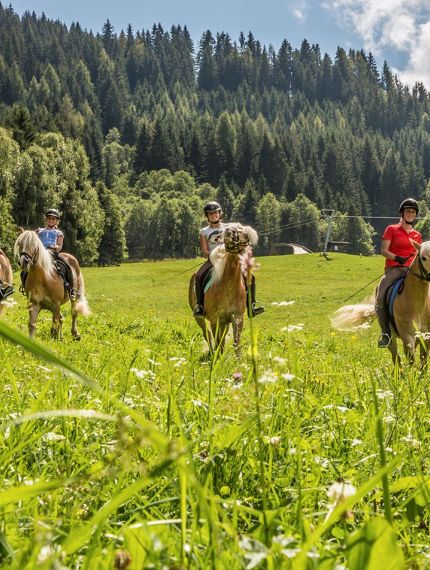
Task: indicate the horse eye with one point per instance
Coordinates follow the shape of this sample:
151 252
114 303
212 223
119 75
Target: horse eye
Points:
424 258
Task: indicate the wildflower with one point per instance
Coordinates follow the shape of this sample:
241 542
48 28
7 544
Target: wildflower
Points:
237 376
142 373
279 360
422 335
282 303
248 264
293 328
275 440
339 492
52 437
287 376
269 377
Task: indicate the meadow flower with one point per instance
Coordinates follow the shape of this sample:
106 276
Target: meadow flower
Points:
269 377
247 263
338 493
275 440
52 437
237 376
287 376
293 328
282 303
142 373
279 360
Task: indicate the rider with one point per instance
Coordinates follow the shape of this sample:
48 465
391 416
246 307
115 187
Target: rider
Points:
52 238
399 254
210 237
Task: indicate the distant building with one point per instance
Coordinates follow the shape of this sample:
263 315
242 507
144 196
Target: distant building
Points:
288 249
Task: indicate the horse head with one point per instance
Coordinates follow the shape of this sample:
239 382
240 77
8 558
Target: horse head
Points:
29 251
422 259
237 237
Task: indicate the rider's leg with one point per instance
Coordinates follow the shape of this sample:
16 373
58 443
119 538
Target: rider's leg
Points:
253 310
381 308
199 286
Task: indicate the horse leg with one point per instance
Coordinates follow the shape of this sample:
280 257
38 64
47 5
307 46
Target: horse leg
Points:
33 313
57 324
409 348
424 352
75 333
219 331
237 323
394 353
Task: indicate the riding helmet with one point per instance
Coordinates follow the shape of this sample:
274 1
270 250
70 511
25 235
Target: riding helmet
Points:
212 207
53 212
409 203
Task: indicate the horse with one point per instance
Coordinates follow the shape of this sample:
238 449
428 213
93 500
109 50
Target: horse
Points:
411 310
44 287
6 279
225 301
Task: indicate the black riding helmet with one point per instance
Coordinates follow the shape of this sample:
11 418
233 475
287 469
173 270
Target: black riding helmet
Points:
409 203
212 207
53 212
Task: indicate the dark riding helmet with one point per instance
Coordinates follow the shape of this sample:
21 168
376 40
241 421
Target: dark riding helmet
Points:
53 212
409 203
212 207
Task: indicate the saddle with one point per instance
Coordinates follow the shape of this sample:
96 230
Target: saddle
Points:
207 281
395 289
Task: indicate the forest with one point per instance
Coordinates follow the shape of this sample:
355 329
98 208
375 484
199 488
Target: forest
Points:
128 134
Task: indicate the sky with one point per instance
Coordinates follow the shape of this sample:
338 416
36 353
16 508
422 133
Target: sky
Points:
397 31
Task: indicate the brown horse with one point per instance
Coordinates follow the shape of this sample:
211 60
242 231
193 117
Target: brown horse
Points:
411 310
44 287
6 277
226 299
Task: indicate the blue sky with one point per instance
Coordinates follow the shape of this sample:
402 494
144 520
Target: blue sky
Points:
395 30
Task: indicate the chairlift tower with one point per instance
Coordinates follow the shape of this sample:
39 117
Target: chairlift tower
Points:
328 216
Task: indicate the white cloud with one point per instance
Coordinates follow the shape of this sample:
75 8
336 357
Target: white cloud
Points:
391 24
299 9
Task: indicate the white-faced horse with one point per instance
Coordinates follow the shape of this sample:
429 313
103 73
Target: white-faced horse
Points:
225 301
411 309
44 287
6 279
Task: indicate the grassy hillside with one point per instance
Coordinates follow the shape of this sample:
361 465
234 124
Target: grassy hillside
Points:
234 467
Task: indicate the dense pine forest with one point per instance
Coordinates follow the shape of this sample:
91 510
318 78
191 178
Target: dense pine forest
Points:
129 133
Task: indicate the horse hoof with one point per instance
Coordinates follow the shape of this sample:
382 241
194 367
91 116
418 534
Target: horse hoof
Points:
77 337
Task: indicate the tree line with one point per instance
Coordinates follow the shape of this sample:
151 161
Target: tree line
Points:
128 134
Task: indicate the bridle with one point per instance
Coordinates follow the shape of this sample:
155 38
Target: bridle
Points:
29 259
423 274
235 241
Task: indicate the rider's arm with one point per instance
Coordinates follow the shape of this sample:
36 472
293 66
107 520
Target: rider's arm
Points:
204 246
385 249
59 244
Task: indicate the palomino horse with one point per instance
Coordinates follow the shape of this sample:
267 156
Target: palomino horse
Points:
44 287
411 310
6 278
226 299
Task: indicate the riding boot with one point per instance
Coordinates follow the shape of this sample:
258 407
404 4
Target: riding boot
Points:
5 290
198 310
253 310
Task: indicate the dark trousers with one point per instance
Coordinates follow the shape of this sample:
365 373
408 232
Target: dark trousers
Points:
390 276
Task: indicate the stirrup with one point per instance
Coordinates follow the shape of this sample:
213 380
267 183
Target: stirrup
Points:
74 294
5 291
256 310
198 311
384 340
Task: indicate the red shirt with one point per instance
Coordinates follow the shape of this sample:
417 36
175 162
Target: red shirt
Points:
400 243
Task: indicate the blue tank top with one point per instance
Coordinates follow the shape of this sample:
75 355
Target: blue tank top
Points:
48 236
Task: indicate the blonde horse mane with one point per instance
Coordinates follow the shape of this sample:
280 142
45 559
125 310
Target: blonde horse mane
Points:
28 242
219 255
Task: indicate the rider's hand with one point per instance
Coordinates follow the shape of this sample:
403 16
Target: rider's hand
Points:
400 259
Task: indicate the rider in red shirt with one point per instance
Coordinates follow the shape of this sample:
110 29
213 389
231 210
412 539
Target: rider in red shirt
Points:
399 253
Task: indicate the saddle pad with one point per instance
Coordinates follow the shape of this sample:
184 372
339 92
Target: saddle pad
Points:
208 280
392 293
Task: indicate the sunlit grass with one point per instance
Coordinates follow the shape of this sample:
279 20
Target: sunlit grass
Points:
139 446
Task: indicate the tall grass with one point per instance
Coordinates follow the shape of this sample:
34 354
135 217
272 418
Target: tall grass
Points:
134 449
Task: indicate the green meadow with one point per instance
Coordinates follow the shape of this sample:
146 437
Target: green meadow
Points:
134 449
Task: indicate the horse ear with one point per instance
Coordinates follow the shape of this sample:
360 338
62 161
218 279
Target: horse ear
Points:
252 235
416 245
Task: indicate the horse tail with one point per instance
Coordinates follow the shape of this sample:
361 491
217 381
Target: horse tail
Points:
352 317
82 307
